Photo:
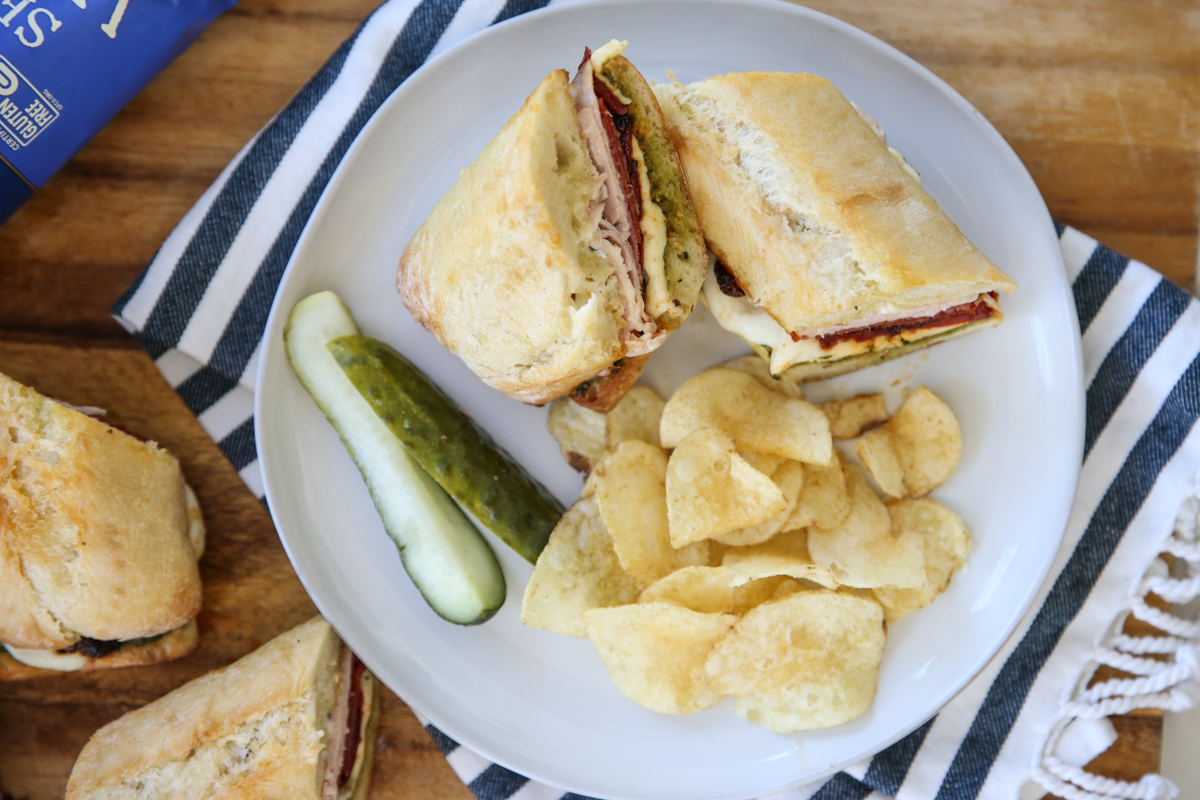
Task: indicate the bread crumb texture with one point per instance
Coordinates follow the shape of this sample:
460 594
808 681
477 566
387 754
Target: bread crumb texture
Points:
243 763
254 729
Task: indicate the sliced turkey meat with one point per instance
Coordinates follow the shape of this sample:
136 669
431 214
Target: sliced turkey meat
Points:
615 209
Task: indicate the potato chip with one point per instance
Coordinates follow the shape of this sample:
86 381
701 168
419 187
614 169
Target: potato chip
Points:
630 487
925 442
576 571
862 551
946 546
716 551
823 501
804 662
766 463
712 490
878 455
849 418
656 653
710 590
789 477
758 367
785 554
579 432
755 416
636 416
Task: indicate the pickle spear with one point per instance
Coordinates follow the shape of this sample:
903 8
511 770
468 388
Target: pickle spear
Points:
450 446
441 549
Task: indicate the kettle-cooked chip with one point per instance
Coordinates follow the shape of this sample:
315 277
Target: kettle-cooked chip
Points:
849 418
823 501
712 490
946 544
862 552
757 366
925 442
579 432
576 571
656 653
785 554
755 416
630 487
636 416
878 454
804 662
766 463
789 477
711 590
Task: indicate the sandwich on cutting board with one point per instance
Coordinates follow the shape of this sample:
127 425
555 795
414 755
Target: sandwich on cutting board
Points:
99 538
295 719
569 250
830 255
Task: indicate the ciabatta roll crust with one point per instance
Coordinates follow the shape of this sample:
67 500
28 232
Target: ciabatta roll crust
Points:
498 272
93 529
254 729
805 205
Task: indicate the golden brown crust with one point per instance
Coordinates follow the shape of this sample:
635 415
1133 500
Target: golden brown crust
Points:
93 529
496 272
174 644
253 729
797 182
603 394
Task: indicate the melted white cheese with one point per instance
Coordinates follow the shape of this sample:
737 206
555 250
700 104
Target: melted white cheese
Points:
48 659
654 243
739 315
195 518
611 50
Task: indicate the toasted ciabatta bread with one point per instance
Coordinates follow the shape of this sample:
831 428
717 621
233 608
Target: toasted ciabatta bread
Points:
504 271
264 727
824 228
94 536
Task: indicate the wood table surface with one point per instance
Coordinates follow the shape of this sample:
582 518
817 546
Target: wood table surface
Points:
1099 98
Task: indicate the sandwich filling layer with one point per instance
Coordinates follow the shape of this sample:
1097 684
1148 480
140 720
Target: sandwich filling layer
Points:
737 314
618 208
347 743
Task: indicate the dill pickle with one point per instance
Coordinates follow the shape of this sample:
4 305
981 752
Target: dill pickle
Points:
460 455
443 552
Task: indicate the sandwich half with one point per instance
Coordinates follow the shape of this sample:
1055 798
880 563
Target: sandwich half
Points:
564 255
99 538
830 256
294 720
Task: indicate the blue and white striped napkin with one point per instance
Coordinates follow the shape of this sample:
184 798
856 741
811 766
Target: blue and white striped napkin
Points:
1029 721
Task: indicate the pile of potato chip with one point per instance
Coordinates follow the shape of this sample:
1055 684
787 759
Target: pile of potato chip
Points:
723 546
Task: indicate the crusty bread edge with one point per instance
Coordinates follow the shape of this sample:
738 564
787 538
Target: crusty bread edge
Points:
168 647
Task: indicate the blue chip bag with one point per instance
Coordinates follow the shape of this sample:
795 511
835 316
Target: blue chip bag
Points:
67 66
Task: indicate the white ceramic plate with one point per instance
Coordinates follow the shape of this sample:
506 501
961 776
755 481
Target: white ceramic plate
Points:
542 704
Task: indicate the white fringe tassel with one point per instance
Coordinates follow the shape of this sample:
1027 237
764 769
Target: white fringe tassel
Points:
1168 684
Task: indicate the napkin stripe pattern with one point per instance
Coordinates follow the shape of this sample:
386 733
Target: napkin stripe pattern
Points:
200 307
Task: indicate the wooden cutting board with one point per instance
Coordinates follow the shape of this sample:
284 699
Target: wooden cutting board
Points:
1101 99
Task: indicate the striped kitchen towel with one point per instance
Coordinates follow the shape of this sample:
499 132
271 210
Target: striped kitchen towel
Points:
1029 721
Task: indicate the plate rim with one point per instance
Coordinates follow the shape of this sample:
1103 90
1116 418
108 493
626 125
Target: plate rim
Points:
1046 230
